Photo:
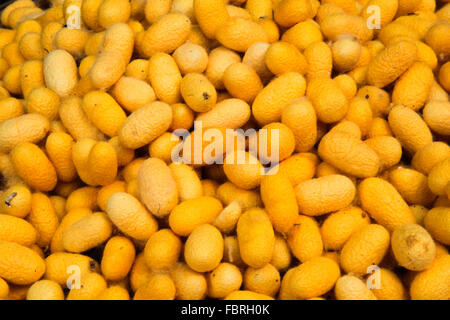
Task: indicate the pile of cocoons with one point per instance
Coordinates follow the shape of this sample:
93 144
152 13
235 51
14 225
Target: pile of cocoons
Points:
341 190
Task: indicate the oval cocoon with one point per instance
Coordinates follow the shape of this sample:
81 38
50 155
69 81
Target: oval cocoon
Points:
279 200
130 216
33 166
304 239
312 278
87 233
166 34
157 187
339 226
384 204
17 230
104 112
20 265
58 263
256 237
118 258
25 128
162 250
107 69
269 103
60 72
432 284
189 214
76 121
390 63
203 250
210 14
228 113
243 169
351 287
239 34
188 183
409 128
365 247
300 116
165 77
133 93
349 154
413 247
145 125
323 195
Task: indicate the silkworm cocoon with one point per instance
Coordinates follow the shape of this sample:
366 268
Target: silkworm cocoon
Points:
323 195
60 72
